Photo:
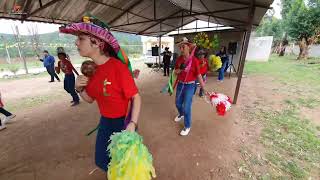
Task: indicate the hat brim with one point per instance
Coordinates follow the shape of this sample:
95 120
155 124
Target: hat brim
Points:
185 42
91 29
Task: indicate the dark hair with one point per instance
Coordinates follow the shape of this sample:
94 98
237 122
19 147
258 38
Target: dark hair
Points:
201 51
108 50
224 50
45 51
65 55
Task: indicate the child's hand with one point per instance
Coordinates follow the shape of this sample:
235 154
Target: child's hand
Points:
131 127
81 82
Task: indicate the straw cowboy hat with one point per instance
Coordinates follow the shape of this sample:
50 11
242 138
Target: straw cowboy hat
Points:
185 40
93 26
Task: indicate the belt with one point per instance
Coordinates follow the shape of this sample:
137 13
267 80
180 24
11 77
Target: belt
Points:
190 82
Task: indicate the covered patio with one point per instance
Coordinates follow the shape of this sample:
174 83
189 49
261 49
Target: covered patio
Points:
148 17
44 144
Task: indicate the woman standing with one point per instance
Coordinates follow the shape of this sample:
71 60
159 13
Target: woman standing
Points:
225 59
111 86
188 71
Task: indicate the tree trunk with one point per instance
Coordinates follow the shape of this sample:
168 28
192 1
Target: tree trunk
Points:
276 48
283 45
303 45
282 50
22 57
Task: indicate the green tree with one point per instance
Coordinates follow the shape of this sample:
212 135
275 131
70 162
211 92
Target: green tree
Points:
302 22
271 26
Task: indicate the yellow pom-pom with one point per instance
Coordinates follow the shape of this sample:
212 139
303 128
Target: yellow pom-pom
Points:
215 62
130 159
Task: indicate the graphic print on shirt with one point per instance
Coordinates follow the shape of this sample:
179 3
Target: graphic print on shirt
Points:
63 67
105 84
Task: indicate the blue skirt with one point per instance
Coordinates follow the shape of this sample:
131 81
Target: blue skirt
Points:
107 127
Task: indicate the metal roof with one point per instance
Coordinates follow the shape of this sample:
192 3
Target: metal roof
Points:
143 17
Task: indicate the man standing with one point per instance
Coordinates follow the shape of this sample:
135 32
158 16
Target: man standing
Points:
48 63
166 60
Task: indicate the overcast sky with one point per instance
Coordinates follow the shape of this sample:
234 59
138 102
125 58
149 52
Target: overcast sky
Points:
6 25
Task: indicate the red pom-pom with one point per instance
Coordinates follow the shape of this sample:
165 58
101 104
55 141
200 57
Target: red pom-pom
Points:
221 109
229 99
213 96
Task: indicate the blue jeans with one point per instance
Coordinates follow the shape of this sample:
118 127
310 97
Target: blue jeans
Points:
52 73
106 128
69 86
184 97
222 70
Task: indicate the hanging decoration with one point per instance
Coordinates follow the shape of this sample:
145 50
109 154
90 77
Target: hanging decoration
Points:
202 40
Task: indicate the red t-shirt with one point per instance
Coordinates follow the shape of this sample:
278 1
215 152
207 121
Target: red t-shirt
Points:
204 66
192 74
112 86
66 66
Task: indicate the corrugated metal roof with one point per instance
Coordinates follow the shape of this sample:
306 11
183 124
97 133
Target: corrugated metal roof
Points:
144 17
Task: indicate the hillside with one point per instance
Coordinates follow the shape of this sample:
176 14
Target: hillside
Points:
50 41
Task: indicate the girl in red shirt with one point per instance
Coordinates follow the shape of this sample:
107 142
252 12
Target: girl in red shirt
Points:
67 68
201 54
188 71
111 86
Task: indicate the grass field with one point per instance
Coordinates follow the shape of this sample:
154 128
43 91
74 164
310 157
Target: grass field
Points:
291 141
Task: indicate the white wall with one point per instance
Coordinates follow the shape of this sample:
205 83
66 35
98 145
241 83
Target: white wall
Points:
314 50
259 48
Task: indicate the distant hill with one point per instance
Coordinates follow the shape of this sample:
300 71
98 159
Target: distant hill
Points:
130 43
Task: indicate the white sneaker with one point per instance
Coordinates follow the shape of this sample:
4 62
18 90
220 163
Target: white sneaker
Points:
185 131
2 127
177 119
7 119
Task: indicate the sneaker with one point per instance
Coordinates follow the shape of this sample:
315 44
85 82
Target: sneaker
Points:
185 131
177 119
2 127
7 119
75 103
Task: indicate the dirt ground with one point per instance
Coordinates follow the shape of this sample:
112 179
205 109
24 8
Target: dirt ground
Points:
48 142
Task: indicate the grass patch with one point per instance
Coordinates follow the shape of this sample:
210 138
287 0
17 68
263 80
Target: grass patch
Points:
25 76
310 103
292 146
35 63
291 142
31 102
30 64
288 70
